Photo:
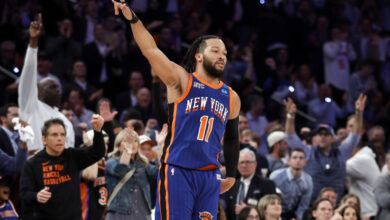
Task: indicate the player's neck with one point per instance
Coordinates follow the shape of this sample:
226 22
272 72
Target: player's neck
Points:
202 73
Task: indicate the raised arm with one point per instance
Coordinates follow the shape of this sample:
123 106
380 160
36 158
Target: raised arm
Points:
360 105
292 138
170 73
353 140
28 91
291 108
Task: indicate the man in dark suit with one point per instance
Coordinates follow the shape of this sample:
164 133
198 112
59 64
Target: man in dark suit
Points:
128 98
251 187
8 137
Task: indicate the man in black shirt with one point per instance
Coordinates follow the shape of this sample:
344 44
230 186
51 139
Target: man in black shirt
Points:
50 181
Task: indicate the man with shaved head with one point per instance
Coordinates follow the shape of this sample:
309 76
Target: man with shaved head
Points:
38 103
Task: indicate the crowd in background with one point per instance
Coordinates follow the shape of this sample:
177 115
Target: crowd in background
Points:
321 55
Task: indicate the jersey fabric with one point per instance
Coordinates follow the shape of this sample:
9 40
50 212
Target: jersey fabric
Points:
8 212
196 125
189 180
94 195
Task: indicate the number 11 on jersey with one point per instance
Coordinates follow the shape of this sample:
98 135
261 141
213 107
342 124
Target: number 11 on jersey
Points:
205 121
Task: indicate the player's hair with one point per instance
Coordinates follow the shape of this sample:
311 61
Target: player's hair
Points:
49 123
189 61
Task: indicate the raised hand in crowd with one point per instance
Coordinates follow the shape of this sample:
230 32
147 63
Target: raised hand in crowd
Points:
36 29
97 122
360 103
105 111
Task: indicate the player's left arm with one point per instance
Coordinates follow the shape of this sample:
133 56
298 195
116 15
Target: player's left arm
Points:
231 145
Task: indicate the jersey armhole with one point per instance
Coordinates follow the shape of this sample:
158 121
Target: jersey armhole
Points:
187 90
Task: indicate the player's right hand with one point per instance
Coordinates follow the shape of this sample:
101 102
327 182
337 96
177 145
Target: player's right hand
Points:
44 195
124 8
226 184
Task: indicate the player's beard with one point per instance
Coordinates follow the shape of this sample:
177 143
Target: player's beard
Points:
210 68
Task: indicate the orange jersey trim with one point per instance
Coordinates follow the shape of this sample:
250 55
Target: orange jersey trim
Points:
190 79
84 199
209 167
230 100
166 191
208 84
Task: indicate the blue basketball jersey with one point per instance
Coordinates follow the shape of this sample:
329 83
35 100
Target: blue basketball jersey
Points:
197 122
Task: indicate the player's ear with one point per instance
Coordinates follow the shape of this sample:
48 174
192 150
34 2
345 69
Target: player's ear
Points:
199 57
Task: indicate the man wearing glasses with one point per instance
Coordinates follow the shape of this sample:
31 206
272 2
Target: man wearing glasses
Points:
251 187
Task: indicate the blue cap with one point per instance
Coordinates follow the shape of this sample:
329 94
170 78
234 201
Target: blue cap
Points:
325 127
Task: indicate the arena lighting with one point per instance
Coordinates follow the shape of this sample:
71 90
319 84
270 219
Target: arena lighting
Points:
291 88
328 100
262 2
16 69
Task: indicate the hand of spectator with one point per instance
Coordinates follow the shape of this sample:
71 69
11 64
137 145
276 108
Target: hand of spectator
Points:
32 151
96 95
122 6
126 155
160 136
82 126
270 62
360 103
239 207
151 123
86 141
36 27
44 195
105 111
97 122
131 136
337 216
291 108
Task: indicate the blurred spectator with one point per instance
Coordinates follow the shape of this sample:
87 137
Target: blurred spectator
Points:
324 108
362 81
100 59
362 171
127 99
305 86
165 45
146 145
322 209
7 210
134 198
243 123
50 181
8 60
376 135
382 193
278 148
76 101
257 122
270 207
316 39
295 184
337 54
9 138
326 162
37 104
87 16
249 213
63 50
250 188
325 193
143 105
79 80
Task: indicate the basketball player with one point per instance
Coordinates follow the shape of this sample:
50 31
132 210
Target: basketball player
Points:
201 109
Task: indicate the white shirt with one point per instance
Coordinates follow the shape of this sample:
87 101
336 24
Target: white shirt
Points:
362 171
336 62
246 182
31 109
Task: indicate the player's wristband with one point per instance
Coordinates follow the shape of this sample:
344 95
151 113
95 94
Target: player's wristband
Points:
135 18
